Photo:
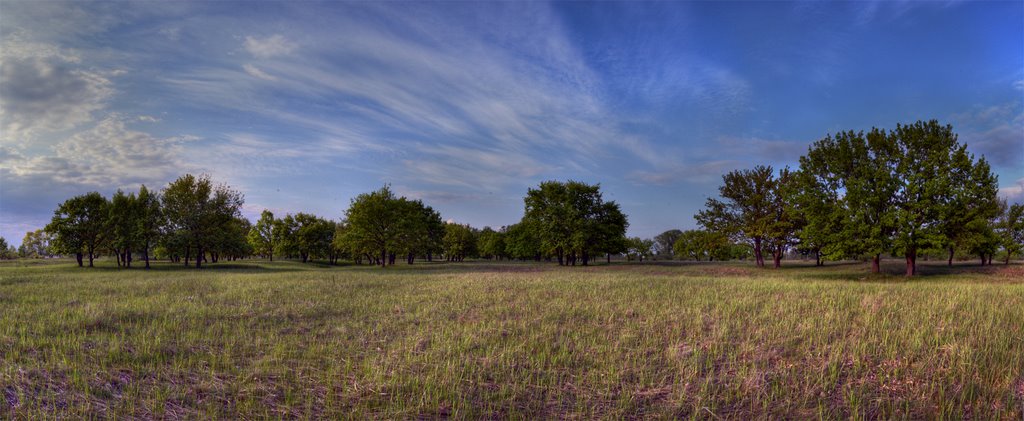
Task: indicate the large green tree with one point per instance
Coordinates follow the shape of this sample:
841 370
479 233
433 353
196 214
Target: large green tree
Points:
36 244
79 226
845 196
7 251
150 221
122 225
754 209
1010 228
375 224
572 221
664 243
926 163
197 211
459 242
261 236
702 245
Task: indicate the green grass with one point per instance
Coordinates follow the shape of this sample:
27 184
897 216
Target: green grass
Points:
478 340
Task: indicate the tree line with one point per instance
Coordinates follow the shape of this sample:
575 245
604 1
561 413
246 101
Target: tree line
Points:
911 191
195 221
908 191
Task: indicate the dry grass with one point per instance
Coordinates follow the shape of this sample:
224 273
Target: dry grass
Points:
486 340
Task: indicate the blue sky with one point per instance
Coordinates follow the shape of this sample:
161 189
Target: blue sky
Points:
303 105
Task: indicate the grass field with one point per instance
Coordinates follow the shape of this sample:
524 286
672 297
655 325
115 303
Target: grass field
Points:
480 340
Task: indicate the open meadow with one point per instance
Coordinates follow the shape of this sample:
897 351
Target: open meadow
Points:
510 340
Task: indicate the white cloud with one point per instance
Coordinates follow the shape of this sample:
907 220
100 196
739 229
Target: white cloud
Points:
108 154
257 73
274 45
1019 85
46 89
1014 193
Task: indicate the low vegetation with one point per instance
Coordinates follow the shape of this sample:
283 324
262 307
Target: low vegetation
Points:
244 340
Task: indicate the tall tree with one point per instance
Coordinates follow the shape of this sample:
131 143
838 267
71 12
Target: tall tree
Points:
150 222
572 221
7 251
491 244
374 222
1010 228
124 215
845 196
79 225
459 242
520 243
36 244
261 236
701 244
928 158
198 210
754 209
664 243
971 206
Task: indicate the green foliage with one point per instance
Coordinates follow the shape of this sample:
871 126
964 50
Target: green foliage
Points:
79 226
664 243
199 214
261 235
639 248
521 243
703 245
571 221
906 191
459 242
1010 229
7 252
35 245
755 208
491 244
379 225
306 236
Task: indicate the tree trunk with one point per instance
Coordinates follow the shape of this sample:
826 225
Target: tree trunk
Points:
188 254
950 256
200 255
91 255
817 258
876 265
383 257
609 258
560 258
145 254
411 258
757 253
911 262
78 257
117 257
128 257
777 259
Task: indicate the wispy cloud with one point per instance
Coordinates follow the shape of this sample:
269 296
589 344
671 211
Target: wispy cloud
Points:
272 46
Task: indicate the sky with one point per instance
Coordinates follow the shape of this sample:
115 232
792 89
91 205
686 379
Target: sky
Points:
301 106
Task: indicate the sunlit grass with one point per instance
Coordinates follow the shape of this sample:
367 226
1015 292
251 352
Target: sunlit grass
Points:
510 341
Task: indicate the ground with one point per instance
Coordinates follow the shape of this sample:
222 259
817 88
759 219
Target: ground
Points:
510 340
